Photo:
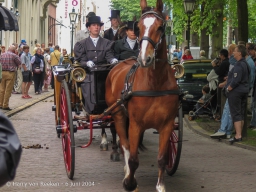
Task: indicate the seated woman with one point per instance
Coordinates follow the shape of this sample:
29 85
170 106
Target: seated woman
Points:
187 55
128 46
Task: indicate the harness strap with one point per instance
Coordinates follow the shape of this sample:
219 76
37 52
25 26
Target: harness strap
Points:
155 93
150 40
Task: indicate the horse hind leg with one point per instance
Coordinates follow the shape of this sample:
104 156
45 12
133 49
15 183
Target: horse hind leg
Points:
104 141
114 156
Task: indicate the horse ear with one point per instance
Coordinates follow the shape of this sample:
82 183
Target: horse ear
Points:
143 4
159 5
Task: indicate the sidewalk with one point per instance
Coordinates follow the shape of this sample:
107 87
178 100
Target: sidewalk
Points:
207 128
18 104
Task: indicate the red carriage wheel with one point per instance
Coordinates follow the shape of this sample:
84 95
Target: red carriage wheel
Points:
67 136
175 145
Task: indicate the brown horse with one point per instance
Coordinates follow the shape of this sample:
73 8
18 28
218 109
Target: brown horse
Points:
156 105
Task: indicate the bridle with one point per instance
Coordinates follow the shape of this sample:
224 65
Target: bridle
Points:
154 44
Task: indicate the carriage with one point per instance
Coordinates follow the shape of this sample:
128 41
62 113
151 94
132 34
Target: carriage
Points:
68 101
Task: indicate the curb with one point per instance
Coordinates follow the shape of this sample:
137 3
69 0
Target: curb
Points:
27 105
199 130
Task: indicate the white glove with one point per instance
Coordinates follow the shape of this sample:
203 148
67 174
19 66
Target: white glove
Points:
114 61
90 64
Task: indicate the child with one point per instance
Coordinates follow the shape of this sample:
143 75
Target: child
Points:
200 103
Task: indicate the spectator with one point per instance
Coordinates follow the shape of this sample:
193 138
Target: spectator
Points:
66 57
200 105
10 62
18 80
55 60
237 89
22 42
226 126
3 49
252 52
48 73
187 55
212 78
50 47
26 72
202 54
37 62
221 70
179 53
10 150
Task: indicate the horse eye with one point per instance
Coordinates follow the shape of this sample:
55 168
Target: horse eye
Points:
160 28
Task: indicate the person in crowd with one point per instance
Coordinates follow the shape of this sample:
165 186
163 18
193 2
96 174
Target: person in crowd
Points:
202 54
212 78
26 72
128 46
3 49
82 34
55 60
19 79
10 62
221 69
237 89
112 33
226 127
187 55
201 103
37 62
50 47
66 57
43 46
10 150
179 53
22 43
252 52
35 49
92 51
48 72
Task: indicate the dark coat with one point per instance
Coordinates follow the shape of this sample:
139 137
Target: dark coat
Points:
108 34
222 69
123 51
10 150
86 51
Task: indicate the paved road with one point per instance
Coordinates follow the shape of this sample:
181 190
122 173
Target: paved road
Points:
206 165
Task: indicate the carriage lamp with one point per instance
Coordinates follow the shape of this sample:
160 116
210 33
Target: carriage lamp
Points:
189 6
72 17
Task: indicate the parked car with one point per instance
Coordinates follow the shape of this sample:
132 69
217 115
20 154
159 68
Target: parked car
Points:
193 80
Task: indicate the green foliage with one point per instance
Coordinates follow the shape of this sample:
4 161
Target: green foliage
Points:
129 8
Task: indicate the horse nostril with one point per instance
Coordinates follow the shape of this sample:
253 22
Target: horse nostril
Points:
148 59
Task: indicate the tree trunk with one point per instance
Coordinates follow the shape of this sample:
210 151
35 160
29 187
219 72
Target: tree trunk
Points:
217 31
204 39
242 16
195 40
230 34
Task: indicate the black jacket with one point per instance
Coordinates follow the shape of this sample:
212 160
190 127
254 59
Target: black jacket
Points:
123 51
108 34
222 69
10 150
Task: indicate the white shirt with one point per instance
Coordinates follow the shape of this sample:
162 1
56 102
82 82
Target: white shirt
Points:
114 31
131 42
94 40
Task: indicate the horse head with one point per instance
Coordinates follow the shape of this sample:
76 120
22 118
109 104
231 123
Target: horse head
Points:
152 28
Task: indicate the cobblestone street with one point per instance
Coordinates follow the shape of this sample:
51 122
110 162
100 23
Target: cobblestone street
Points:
206 165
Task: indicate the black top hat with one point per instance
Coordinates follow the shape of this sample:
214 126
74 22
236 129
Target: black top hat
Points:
129 25
90 14
94 19
114 14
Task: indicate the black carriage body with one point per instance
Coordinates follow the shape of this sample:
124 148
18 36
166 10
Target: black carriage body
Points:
100 77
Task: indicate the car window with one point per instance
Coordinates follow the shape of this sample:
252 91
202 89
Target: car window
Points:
195 72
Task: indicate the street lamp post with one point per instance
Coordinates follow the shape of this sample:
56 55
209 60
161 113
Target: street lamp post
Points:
189 6
72 17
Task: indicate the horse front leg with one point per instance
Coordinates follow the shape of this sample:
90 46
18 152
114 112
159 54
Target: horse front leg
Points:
164 137
114 156
131 159
104 140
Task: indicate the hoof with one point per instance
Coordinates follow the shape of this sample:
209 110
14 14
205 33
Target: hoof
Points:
103 147
115 156
130 186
